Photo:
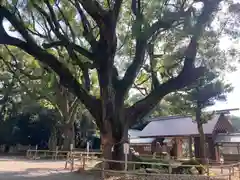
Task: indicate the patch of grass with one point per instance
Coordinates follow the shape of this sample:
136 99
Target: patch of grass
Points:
183 169
145 160
164 165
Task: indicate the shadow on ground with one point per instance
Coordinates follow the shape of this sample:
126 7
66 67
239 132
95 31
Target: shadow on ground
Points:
23 159
35 174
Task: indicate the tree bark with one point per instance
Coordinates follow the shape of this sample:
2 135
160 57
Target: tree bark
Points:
201 135
68 134
113 147
113 152
202 144
52 142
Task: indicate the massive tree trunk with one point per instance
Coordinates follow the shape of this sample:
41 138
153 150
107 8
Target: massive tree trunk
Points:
114 127
113 148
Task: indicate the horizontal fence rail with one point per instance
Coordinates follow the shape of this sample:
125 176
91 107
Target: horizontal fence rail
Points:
92 161
231 172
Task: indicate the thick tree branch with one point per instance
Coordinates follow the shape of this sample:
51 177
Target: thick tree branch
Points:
47 17
166 23
141 45
86 26
63 39
27 74
54 24
77 48
141 108
72 111
160 24
53 16
187 76
84 66
116 11
94 9
29 46
155 82
33 29
134 68
67 23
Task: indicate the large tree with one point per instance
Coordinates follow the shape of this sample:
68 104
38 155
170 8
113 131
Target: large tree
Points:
104 36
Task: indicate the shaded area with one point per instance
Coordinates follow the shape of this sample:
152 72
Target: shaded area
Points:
52 176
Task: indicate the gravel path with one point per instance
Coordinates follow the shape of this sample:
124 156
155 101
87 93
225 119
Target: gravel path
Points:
20 169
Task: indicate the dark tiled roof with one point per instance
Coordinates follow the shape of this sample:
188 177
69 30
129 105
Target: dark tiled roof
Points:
168 118
176 126
133 133
142 125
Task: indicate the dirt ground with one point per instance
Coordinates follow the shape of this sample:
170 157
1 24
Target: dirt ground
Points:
16 168
12 168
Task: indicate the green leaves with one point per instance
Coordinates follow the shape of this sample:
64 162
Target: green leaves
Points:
65 21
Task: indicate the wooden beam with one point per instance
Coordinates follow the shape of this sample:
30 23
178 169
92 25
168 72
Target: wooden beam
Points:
190 143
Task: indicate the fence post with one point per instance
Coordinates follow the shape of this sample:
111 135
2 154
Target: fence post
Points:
233 171
45 154
52 154
230 173
72 164
71 157
221 169
56 153
221 162
169 171
36 151
84 160
103 169
30 154
238 170
208 173
81 158
27 154
87 149
67 160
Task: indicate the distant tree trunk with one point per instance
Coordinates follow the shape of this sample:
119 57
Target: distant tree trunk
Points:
52 142
201 134
68 133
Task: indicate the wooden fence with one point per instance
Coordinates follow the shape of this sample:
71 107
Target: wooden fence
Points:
83 161
58 155
225 172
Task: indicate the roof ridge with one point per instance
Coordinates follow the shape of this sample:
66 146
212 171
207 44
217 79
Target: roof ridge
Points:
163 118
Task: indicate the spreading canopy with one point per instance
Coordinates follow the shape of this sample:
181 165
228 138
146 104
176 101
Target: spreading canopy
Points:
117 41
